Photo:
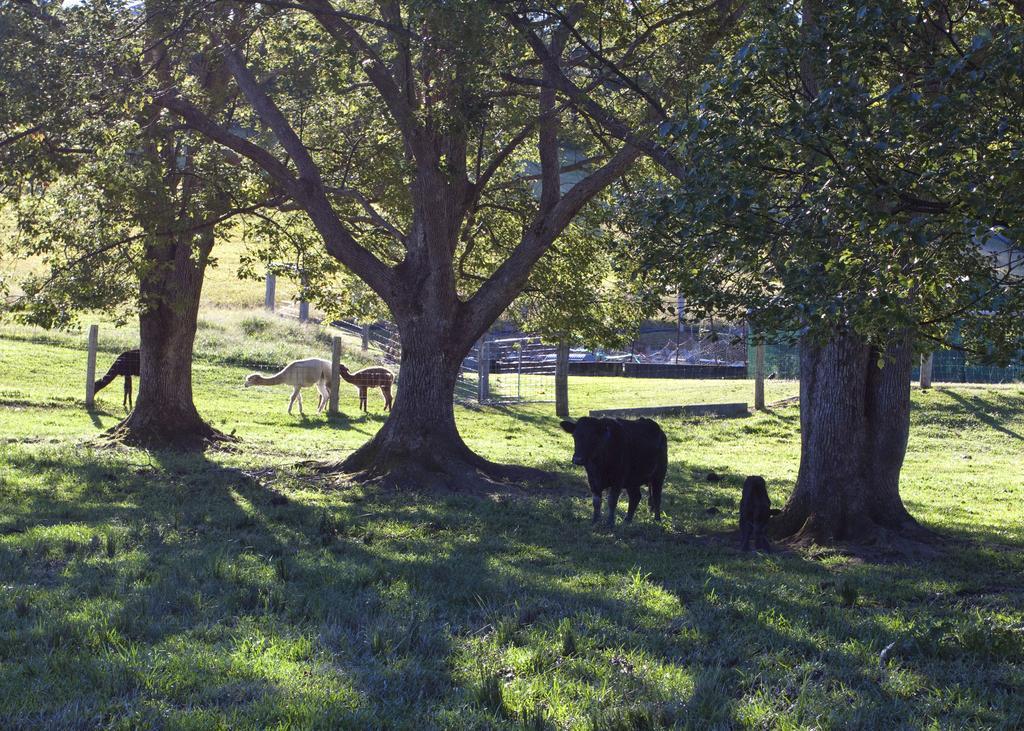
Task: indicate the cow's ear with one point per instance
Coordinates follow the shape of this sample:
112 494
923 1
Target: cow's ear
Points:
569 426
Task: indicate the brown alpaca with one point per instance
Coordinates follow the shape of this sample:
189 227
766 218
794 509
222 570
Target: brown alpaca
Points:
370 378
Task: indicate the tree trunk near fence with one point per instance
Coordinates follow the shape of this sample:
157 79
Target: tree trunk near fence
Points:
165 415
855 421
926 370
419 446
562 380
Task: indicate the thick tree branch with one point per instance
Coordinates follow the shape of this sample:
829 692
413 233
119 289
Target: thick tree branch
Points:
548 120
355 17
337 239
584 190
172 100
271 115
547 148
309 191
392 14
570 24
500 157
20 135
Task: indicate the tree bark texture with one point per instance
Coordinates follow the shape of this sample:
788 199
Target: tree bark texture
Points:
855 421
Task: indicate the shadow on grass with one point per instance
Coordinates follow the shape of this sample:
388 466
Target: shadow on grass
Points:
983 410
256 598
96 413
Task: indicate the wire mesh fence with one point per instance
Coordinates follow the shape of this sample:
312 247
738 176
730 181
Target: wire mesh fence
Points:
378 340
782 361
952 366
521 369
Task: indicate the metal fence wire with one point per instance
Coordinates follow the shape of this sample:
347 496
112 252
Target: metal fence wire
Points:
782 361
521 369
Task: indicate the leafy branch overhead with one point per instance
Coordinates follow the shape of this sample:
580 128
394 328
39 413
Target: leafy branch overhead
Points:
880 192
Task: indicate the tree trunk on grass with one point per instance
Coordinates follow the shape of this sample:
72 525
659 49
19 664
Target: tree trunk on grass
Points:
419 446
164 413
420 431
855 420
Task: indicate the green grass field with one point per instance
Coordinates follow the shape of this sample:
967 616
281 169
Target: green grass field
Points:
239 590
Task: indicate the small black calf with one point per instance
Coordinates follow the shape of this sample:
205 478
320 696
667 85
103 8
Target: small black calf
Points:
755 509
620 454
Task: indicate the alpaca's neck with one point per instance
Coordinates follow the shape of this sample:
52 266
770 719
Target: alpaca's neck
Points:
269 380
348 377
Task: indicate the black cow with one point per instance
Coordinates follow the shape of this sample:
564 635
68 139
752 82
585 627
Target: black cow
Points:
620 454
755 509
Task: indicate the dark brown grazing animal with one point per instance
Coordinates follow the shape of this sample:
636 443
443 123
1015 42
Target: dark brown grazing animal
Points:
127 365
620 454
373 377
755 510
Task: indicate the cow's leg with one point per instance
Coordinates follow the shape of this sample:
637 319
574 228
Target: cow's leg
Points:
745 534
656 483
760 539
613 501
597 484
634 500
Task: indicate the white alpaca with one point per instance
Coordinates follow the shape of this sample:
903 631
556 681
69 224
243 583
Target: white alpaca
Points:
299 374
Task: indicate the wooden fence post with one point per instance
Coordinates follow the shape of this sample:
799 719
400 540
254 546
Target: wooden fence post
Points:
90 367
303 304
562 380
269 298
519 372
759 377
483 385
332 409
926 370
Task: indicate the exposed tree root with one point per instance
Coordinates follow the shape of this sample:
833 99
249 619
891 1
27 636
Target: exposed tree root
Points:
867 540
451 469
196 437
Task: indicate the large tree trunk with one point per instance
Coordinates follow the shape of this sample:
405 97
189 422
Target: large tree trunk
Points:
855 420
419 445
164 413
420 430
